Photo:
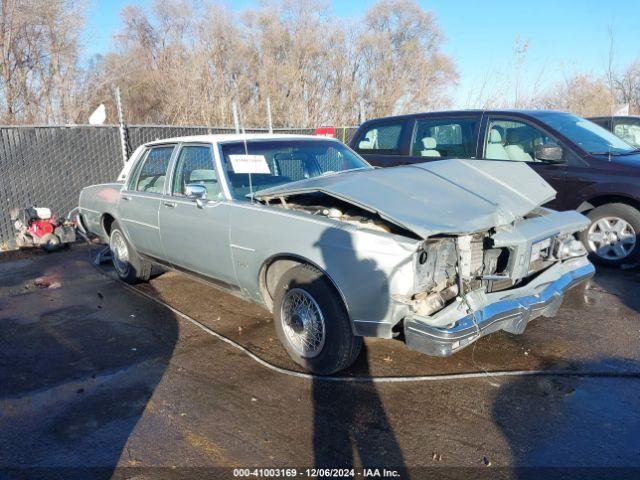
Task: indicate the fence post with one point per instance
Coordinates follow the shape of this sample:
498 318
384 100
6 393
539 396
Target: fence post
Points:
236 123
269 115
124 140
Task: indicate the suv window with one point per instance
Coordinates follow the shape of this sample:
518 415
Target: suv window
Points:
514 140
628 130
445 137
195 166
381 139
154 170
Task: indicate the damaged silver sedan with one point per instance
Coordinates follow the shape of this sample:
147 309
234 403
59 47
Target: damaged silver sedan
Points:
436 254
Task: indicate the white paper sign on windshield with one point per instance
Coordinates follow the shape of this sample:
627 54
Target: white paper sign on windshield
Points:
249 164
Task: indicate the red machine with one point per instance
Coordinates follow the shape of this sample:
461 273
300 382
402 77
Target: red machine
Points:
38 227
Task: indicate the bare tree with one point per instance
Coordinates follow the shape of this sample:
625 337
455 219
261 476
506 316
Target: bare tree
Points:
39 44
627 86
582 94
185 61
403 68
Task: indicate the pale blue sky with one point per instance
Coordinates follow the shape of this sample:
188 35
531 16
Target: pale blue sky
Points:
565 36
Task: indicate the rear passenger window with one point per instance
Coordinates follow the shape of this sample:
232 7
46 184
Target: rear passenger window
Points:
448 138
195 166
154 170
381 139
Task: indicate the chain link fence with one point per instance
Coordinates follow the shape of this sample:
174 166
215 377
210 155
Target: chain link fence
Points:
49 165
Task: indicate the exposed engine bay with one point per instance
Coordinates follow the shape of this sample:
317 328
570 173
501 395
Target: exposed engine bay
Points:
318 203
450 267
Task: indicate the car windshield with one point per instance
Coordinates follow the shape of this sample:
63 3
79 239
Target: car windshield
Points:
586 134
258 164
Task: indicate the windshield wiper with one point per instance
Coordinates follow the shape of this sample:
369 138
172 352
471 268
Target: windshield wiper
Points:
635 150
613 154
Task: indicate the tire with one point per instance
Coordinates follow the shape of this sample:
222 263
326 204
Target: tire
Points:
613 237
50 243
338 348
130 267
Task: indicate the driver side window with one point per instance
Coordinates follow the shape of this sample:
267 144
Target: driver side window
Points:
514 140
195 166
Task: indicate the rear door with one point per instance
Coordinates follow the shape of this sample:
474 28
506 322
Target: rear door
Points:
194 238
440 136
140 201
514 139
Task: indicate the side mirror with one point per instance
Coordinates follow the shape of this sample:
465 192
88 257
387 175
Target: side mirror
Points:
196 193
549 153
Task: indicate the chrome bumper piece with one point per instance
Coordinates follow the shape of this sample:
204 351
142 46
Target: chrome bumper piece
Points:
512 313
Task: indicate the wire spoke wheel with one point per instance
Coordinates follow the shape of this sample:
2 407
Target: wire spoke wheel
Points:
303 323
611 238
119 253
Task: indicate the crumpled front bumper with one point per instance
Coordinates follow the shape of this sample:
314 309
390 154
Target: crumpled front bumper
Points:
510 310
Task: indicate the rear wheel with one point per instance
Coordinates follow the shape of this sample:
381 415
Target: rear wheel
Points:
129 266
612 237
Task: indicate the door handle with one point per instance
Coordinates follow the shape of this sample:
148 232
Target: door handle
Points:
170 204
126 199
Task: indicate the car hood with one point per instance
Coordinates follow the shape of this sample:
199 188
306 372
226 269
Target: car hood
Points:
445 196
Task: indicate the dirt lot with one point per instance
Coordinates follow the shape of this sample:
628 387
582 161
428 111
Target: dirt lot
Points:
95 375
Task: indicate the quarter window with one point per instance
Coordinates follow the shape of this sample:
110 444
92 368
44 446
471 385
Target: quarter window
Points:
381 139
513 140
154 170
447 138
195 166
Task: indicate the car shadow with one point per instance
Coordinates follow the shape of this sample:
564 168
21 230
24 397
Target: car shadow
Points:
615 281
572 426
79 365
350 425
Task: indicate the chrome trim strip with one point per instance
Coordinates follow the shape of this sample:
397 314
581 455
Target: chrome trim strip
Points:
239 247
85 209
140 223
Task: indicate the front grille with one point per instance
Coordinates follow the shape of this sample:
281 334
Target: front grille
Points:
499 285
477 255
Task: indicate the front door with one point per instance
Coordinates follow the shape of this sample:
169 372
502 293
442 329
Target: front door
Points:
515 140
196 237
140 201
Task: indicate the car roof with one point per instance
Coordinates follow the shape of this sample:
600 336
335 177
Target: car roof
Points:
231 137
604 117
529 112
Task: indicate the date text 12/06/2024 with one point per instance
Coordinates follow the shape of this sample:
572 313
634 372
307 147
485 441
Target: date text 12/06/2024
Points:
315 472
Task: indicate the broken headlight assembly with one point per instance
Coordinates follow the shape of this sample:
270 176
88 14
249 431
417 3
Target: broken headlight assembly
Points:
567 246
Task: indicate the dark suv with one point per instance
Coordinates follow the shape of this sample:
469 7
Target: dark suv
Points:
592 170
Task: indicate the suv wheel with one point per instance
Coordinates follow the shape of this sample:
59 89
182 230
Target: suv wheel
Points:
129 266
612 238
311 322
